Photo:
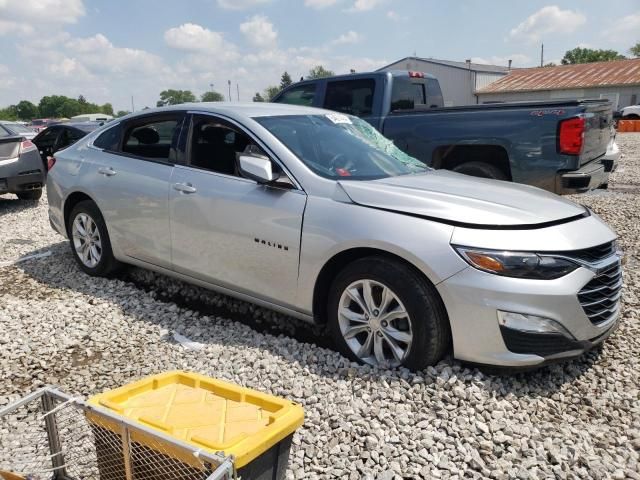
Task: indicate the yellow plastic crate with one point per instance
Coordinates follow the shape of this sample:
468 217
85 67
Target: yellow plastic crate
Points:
207 413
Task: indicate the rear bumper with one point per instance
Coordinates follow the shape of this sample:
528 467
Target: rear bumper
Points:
22 173
588 177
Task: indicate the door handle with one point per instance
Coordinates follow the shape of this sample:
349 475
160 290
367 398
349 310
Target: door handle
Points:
107 171
185 187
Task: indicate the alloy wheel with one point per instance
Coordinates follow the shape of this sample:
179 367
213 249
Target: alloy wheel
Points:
374 323
86 240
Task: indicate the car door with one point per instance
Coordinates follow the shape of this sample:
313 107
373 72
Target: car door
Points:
128 173
229 230
68 136
46 141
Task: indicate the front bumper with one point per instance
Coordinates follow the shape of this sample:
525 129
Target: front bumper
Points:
473 299
588 177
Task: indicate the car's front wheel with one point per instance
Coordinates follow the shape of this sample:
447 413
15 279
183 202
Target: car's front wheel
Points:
90 242
382 312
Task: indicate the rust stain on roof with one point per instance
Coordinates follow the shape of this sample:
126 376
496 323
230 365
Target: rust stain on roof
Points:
617 72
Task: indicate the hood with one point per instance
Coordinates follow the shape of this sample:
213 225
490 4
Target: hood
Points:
463 200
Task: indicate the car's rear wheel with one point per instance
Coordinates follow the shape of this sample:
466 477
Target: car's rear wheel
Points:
481 169
90 242
30 194
381 312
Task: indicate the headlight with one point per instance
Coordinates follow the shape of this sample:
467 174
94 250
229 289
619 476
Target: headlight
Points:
517 264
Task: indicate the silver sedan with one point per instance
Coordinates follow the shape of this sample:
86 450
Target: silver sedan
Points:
315 214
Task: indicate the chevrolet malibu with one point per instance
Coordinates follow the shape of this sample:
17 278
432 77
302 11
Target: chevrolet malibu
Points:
315 214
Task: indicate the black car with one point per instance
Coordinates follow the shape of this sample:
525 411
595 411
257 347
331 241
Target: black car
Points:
57 137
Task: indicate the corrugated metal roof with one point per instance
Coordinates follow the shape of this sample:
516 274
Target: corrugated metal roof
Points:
618 72
474 67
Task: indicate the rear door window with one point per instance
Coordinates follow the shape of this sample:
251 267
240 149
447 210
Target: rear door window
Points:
48 138
353 97
68 137
301 95
110 139
153 138
407 94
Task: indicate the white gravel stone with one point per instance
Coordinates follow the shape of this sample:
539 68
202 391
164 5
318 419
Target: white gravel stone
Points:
573 420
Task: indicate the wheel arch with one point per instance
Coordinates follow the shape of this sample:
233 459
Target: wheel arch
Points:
338 261
448 157
71 201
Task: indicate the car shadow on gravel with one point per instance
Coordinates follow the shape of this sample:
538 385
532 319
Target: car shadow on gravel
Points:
543 381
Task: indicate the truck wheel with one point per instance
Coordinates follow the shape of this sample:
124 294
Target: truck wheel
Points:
90 242
30 194
383 313
481 169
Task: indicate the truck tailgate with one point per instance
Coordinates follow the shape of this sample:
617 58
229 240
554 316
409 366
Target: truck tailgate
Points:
597 132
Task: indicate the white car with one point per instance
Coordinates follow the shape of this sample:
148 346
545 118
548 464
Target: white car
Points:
631 112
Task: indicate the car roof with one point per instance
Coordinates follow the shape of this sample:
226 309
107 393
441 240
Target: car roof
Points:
238 109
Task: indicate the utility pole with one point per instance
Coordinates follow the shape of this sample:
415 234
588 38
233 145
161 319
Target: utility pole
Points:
238 89
542 55
211 85
133 108
229 82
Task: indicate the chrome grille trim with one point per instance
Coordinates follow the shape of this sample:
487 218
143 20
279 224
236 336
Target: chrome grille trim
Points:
600 298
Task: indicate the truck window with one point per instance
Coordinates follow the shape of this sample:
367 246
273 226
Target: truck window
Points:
302 95
354 97
434 93
406 94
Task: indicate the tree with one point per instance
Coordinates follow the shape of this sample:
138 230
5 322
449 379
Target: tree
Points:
635 50
107 108
550 64
258 98
271 92
174 97
285 81
121 113
25 110
8 113
589 55
319 72
212 97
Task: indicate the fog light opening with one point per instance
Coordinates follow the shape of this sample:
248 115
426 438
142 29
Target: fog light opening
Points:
525 322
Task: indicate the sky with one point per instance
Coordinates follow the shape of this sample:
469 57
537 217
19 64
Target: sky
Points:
111 51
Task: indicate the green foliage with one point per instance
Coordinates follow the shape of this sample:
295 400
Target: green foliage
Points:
174 97
106 108
258 98
589 55
319 72
212 97
550 64
25 110
121 113
271 92
59 106
635 50
285 81
9 113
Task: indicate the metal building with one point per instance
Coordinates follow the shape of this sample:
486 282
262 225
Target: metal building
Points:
459 80
617 81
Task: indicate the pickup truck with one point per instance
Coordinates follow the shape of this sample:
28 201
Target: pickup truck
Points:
559 146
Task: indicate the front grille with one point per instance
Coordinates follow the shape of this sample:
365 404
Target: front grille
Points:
600 298
592 254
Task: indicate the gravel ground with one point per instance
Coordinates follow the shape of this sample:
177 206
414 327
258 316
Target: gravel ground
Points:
574 420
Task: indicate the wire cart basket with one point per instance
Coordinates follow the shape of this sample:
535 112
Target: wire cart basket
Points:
51 435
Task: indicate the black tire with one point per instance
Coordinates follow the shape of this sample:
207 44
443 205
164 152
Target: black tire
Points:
481 169
429 320
107 264
30 194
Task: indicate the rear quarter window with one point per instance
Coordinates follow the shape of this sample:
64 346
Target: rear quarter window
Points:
109 139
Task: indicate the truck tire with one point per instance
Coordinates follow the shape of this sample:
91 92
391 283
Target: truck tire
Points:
30 194
481 169
378 305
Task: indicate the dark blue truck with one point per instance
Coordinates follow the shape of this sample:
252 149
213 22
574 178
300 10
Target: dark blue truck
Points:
560 146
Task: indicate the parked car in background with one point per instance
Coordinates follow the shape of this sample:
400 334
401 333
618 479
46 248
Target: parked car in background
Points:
555 145
15 128
39 124
59 136
316 214
21 170
632 112
92 117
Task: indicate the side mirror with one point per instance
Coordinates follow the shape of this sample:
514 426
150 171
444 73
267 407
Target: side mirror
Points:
257 168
